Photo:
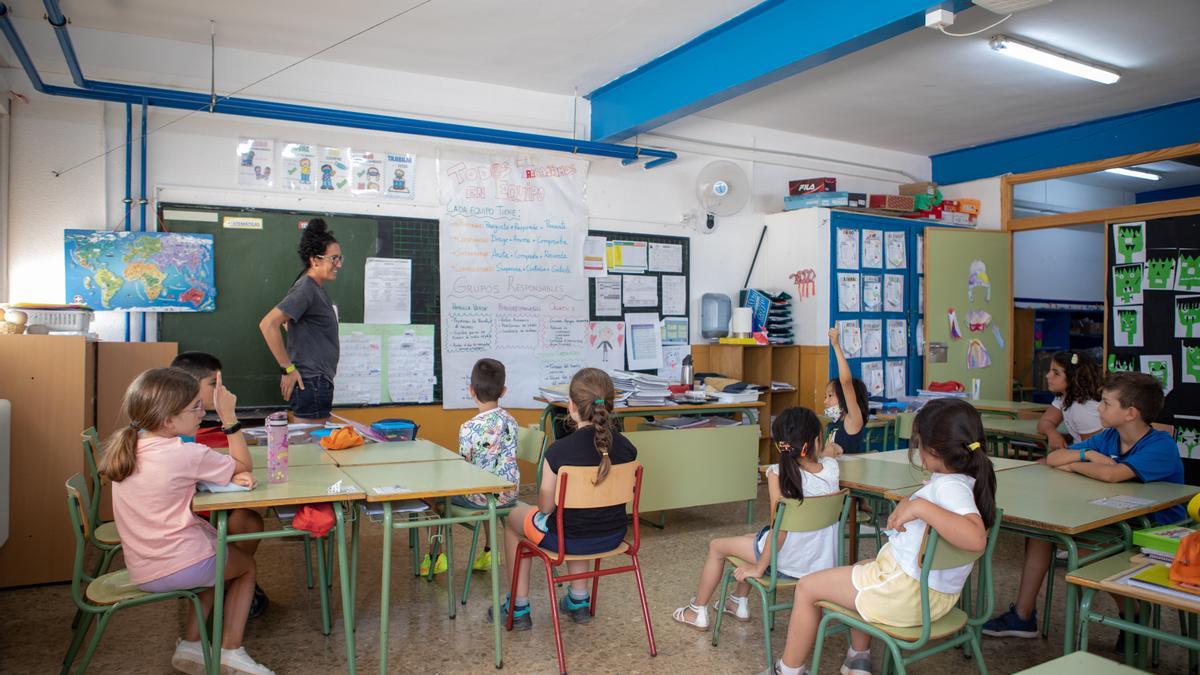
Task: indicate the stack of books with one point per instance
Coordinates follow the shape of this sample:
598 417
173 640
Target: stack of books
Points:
554 394
749 395
1160 543
644 389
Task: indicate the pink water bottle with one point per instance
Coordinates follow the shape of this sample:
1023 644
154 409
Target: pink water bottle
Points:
277 447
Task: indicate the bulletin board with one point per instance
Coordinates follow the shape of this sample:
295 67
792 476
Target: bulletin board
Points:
969 273
684 245
1153 321
254 269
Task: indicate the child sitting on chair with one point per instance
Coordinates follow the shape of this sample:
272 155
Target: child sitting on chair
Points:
801 472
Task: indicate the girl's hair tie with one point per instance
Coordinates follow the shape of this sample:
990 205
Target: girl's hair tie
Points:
134 427
784 446
1074 359
599 401
973 445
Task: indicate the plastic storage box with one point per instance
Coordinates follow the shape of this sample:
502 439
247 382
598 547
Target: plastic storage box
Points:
396 429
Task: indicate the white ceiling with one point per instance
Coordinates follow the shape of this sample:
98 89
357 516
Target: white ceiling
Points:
927 93
542 46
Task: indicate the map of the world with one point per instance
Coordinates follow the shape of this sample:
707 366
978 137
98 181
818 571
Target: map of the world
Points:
140 271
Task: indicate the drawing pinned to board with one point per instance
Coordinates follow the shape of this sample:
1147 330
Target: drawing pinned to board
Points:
1160 274
920 254
850 338
1127 284
367 170
872 338
921 337
872 376
872 292
893 293
256 156
1127 326
675 330
977 355
1161 367
897 337
672 367
897 256
1121 364
921 295
1187 272
1187 316
805 281
996 334
606 345
335 170
952 319
896 386
847 248
848 291
1189 356
399 170
1129 240
978 278
299 160
872 248
978 320
1187 438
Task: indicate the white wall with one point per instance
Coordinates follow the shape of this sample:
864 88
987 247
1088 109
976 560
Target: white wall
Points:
1060 263
193 159
987 191
1063 195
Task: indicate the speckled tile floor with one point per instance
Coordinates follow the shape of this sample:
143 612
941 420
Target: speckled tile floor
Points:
34 622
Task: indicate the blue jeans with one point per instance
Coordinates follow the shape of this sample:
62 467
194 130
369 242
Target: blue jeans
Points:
315 401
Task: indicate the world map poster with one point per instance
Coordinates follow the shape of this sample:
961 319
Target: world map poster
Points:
140 271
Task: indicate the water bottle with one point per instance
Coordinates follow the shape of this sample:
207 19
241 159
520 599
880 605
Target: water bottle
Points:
277 447
685 371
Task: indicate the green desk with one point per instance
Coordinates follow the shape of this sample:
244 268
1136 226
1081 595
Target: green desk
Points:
298 455
399 452
1013 409
306 485
1045 503
1080 663
428 480
901 457
1001 432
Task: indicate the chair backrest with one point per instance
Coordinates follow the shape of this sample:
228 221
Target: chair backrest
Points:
529 444
582 493
937 553
814 513
91 462
904 425
77 499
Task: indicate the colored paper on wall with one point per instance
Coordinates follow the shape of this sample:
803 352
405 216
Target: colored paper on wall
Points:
1187 271
872 293
872 248
977 278
1187 316
1160 271
1129 241
367 169
299 165
952 319
675 330
978 320
872 338
399 172
847 248
1187 435
1161 367
1127 326
872 376
1189 360
897 256
850 338
606 345
256 161
893 293
977 355
1127 284
848 291
897 337
334 171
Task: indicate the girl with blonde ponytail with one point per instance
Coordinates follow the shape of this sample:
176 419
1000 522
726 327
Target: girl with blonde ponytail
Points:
596 442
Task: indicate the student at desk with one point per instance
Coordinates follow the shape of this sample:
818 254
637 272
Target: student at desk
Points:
845 406
1128 449
1075 380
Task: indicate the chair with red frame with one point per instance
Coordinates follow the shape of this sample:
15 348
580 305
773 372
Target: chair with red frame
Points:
623 485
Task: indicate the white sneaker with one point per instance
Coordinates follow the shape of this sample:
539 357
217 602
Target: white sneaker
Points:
1061 554
238 662
189 657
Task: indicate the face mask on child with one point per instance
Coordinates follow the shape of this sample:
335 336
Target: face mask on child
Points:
834 413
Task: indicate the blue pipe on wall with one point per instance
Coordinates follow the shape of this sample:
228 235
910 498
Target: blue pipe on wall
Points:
191 101
128 183
145 114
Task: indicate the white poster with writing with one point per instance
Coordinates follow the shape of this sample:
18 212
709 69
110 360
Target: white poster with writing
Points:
512 284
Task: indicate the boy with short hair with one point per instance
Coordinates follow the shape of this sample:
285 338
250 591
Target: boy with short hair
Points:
206 368
489 441
1127 449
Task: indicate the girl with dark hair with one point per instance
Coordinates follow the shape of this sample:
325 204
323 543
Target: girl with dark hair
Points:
1075 380
845 406
309 361
801 472
958 500
597 442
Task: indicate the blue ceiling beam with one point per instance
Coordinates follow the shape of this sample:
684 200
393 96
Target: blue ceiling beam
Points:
1151 129
763 45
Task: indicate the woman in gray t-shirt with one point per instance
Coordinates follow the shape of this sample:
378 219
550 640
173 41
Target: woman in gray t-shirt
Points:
309 361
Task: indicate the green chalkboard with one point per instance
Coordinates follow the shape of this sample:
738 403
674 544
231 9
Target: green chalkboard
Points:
256 267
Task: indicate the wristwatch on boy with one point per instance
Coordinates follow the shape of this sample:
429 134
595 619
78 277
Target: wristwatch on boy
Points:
231 429
288 369
1082 453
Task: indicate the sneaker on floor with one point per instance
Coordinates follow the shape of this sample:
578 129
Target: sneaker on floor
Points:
857 665
188 658
483 563
258 604
522 618
1010 624
238 662
580 611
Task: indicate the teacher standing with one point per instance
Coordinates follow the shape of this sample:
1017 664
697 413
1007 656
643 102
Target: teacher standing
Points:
309 361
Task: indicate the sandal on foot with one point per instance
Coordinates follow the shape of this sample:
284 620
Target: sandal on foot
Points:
731 610
680 615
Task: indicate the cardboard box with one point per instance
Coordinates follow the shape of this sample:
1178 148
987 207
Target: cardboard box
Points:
891 202
964 205
810 186
925 187
825 199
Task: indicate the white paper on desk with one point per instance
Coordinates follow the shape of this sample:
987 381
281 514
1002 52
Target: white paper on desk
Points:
390 490
387 291
608 296
674 294
1123 502
643 341
594 259
640 291
359 377
209 486
666 258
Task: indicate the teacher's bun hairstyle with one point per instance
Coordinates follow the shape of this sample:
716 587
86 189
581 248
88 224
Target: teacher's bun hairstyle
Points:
313 242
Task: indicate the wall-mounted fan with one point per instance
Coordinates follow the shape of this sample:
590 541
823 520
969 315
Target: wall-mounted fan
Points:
723 190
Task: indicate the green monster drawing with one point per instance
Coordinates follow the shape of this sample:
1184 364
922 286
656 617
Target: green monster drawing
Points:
1159 273
1191 363
1158 369
1130 241
1117 364
1128 282
1188 439
1128 319
1189 273
1189 314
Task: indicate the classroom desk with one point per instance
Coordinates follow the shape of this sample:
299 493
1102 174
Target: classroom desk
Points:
298 455
1003 431
1041 502
1080 663
399 452
386 483
306 485
1013 409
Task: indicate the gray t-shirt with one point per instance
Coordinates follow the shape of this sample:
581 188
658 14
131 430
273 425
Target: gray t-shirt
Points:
312 328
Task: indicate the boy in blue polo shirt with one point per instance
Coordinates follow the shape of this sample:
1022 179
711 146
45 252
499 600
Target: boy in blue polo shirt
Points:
1128 449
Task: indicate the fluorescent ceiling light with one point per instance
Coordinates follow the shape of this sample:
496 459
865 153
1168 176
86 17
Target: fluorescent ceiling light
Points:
1050 59
1134 173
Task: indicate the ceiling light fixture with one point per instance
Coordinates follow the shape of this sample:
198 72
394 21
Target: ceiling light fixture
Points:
1050 59
1134 173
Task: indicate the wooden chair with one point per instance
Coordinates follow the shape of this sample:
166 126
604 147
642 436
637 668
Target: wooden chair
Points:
104 595
791 515
623 485
957 627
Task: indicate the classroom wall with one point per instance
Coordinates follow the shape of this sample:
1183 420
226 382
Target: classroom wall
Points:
1038 269
1063 195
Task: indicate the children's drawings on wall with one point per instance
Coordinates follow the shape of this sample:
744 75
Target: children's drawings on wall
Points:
978 320
1189 358
872 292
805 281
1129 240
1121 364
872 376
952 319
872 248
920 254
921 337
299 163
675 330
1187 436
398 174
606 345
1187 316
847 249
1160 274
848 291
977 277
1127 284
897 337
850 338
996 334
367 169
893 293
1160 366
1127 326
672 367
1187 271
895 379
897 256
977 355
256 160
872 338
333 174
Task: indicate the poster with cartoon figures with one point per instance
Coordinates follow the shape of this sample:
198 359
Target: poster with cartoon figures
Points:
299 167
399 171
367 168
333 171
256 162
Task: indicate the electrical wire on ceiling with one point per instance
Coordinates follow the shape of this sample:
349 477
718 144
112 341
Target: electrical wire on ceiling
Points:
981 30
